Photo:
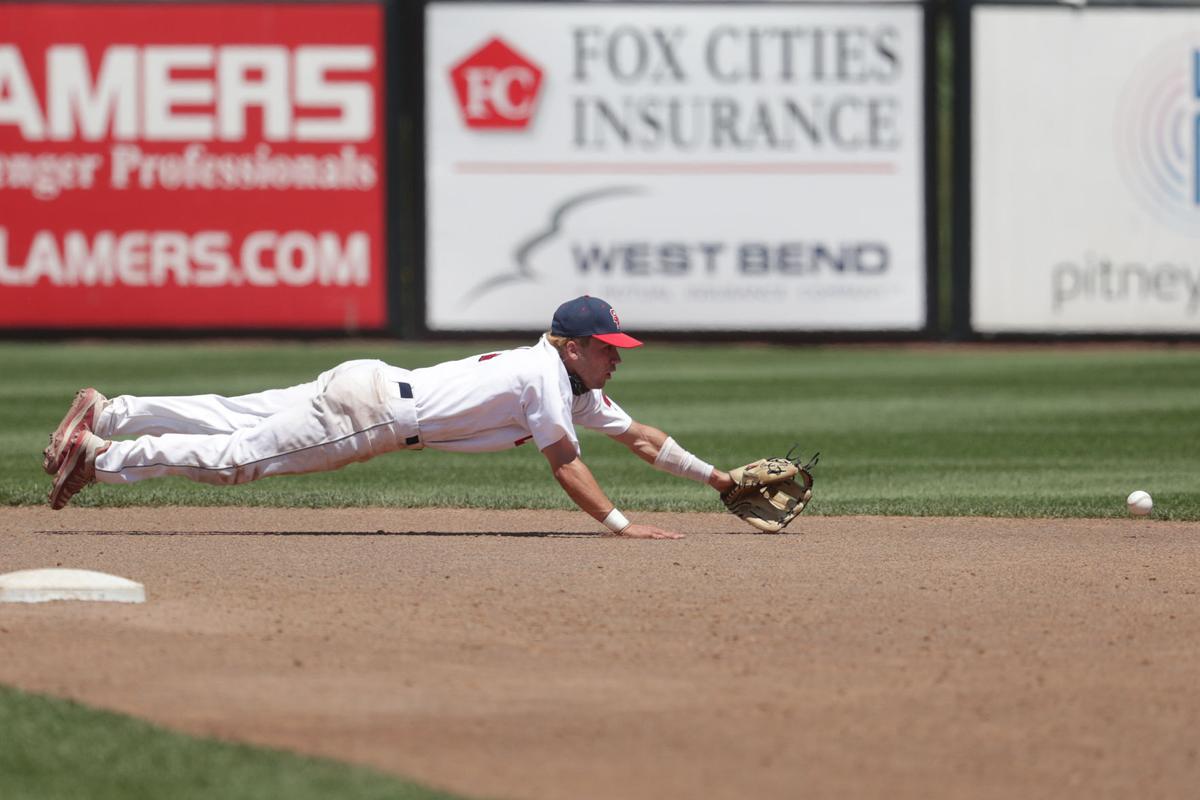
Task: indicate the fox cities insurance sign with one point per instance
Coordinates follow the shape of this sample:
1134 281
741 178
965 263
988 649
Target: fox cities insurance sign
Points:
187 165
723 167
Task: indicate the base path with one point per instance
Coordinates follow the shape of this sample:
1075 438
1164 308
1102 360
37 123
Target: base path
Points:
520 655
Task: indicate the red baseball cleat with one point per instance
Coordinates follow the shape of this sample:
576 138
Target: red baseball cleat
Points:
84 411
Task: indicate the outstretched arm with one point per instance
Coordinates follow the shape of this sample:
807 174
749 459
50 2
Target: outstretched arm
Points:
651 445
580 485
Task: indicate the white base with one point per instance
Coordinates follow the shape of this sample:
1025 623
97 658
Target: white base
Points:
43 585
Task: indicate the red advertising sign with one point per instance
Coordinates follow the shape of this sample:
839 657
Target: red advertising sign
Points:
191 166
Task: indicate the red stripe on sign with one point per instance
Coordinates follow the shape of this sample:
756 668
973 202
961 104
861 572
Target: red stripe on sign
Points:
674 168
488 357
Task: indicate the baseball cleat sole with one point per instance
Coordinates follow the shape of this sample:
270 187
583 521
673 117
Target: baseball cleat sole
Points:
78 468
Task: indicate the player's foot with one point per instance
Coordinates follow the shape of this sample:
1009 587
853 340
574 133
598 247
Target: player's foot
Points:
78 467
84 411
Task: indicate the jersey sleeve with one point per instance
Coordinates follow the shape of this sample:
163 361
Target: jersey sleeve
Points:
597 411
546 411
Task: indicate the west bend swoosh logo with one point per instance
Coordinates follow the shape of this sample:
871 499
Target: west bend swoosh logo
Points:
522 270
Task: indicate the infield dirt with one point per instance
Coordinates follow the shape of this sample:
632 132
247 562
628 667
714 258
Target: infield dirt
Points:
520 655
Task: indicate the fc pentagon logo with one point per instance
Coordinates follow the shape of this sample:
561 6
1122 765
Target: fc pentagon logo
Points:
1157 134
497 87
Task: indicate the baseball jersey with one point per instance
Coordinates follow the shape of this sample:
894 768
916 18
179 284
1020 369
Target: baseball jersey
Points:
499 400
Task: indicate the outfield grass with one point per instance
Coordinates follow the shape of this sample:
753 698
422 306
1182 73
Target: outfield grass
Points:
1054 432
59 750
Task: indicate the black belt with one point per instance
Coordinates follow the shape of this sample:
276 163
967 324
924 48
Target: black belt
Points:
406 394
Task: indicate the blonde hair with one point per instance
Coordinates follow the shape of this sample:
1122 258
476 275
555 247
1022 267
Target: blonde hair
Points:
559 343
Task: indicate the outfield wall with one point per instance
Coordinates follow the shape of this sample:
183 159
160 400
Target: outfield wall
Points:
1080 158
456 168
388 166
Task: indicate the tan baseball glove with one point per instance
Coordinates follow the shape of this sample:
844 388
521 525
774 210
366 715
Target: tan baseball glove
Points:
771 492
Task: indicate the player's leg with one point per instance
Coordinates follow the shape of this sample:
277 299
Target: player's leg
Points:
130 415
356 415
359 413
208 413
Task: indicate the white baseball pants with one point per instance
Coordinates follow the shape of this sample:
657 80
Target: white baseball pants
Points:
353 412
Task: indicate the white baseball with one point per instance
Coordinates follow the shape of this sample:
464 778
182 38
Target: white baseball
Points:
1139 503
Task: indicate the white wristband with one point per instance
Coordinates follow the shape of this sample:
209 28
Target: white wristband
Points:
616 521
674 459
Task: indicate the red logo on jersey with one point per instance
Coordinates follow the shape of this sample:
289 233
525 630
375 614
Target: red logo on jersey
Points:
497 87
616 319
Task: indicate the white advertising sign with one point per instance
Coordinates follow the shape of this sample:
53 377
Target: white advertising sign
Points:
723 167
1086 157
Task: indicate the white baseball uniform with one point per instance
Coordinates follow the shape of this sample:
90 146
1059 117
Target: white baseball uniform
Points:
353 412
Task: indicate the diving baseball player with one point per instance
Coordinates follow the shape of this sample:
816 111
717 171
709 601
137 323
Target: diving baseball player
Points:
362 409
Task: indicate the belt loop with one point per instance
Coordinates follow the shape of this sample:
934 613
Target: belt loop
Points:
405 390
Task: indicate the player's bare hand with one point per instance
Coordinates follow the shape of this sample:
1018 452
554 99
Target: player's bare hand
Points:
636 531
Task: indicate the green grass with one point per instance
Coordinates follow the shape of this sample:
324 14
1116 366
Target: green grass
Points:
59 750
914 431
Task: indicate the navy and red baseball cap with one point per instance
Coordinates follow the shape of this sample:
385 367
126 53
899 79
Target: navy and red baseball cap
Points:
591 316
